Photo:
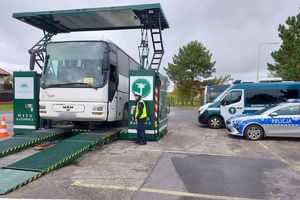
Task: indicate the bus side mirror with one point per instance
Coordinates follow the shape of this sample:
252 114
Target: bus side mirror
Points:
274 114
32 60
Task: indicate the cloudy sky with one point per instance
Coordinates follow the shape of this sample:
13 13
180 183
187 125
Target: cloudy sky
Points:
231 29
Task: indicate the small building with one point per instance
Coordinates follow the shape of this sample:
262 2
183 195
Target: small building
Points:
3 74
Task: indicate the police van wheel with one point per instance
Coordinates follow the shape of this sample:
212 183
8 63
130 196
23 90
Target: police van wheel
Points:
215 122
254 132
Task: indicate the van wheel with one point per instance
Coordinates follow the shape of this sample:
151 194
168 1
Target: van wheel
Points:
215 122
254 132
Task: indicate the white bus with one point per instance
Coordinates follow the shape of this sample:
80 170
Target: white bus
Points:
85 81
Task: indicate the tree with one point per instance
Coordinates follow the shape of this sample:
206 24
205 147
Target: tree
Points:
223 79
192 63
8 80
287 58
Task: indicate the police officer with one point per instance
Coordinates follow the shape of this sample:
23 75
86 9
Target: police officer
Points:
140 118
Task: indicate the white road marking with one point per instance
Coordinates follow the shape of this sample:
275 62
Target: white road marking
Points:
158 191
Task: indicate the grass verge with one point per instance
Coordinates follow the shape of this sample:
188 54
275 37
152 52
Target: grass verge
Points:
6 107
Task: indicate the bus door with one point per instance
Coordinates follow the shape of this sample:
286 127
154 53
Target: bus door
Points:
113 82
232 104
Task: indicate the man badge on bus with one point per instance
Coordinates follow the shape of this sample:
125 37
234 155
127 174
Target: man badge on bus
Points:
140 118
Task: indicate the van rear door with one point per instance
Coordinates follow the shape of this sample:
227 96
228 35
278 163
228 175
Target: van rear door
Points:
232 104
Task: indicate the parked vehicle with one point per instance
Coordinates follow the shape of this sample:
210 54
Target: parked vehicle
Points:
241 98
213 91
281 120
85 81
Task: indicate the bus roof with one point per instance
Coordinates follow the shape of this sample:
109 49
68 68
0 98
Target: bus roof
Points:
95 19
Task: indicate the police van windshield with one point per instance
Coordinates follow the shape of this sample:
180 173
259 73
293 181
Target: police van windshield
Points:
222 95
74 64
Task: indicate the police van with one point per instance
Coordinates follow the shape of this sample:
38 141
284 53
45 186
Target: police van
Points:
242 98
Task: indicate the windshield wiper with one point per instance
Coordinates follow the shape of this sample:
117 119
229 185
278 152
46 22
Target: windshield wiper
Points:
73 83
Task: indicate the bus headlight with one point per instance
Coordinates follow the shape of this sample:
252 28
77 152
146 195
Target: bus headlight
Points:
97 108
42 107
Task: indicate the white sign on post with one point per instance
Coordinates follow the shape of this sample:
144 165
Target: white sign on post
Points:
142 85
24 88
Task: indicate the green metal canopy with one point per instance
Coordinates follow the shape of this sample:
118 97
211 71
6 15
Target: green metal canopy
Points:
146 16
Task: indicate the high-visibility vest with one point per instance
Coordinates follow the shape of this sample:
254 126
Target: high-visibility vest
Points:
144 113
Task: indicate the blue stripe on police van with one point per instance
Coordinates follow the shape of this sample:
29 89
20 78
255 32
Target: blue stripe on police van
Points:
246 108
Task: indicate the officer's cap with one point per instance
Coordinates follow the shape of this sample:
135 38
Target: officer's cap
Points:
137 94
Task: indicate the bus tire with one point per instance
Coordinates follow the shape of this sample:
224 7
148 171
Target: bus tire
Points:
254 132
215 122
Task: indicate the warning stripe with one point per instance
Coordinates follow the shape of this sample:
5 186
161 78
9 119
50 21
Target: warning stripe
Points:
156 102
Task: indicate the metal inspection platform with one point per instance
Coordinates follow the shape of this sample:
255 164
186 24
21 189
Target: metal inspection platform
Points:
30 168
26 140
147 17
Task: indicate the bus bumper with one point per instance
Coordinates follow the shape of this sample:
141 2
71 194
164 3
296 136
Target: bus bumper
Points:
74 111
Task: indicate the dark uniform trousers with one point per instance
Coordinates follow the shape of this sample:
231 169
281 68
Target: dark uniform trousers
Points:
141 131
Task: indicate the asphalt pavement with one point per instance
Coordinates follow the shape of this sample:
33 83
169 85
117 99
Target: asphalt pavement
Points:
190 162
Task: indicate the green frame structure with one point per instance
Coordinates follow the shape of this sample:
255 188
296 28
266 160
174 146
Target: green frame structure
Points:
145 17
154 95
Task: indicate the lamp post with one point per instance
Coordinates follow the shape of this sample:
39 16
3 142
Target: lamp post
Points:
259 50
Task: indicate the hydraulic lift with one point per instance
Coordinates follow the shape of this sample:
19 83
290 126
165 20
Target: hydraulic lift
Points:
147 18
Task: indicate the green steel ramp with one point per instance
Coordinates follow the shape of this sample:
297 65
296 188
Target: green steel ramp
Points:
25 140
9 178
28 169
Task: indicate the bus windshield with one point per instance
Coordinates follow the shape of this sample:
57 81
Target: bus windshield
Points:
222 95
74 64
